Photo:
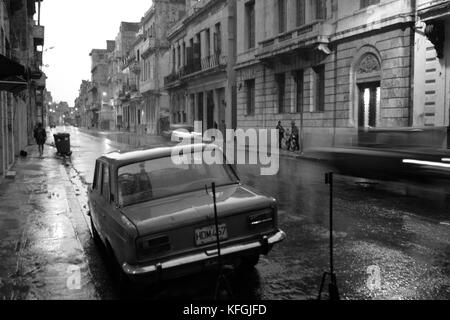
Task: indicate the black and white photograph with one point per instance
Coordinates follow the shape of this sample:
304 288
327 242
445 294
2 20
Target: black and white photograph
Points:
213 157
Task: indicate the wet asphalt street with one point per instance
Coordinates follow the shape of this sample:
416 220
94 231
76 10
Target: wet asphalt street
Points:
400 232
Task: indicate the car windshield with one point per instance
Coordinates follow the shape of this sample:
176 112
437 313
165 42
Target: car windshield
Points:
159 178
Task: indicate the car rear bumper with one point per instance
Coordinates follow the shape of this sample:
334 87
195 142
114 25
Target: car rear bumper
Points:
199 261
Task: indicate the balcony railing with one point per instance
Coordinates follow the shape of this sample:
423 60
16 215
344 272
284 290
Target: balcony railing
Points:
38 58
213 61
303 37
216 61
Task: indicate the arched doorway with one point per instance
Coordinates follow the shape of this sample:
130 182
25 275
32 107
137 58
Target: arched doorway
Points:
368 79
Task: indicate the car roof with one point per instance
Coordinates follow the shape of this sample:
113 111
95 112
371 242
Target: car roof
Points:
123 158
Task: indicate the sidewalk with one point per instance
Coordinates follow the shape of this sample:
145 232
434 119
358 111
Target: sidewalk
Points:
40 249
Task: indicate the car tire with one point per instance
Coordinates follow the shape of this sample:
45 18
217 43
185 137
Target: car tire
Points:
95 235
120 279
248 263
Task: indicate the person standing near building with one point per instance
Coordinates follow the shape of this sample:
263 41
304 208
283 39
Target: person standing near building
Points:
294 137
280 133
40 136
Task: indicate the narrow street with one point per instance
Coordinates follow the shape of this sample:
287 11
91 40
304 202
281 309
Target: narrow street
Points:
383 226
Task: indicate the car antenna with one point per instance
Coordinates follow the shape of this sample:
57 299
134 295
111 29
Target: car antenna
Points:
221 279
333 291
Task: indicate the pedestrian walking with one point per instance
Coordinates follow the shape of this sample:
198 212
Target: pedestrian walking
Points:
280 134
40 136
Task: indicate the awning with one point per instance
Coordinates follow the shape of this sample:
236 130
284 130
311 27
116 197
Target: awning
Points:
9 67
13 84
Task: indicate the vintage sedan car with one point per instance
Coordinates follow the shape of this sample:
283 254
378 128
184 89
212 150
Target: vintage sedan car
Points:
156 218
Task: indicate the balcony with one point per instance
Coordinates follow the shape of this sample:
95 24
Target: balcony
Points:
38 35
213 63
304 37
135 68
431 10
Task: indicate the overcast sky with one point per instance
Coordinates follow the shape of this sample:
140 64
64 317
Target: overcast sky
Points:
76 27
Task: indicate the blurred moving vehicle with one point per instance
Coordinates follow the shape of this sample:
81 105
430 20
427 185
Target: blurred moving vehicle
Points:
156 219
182 132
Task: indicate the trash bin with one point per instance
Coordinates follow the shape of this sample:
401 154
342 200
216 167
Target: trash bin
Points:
62 143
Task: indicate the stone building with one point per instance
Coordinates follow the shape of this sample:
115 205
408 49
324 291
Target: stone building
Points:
116 79
101 109
338 68
22 82
131 98
152 51
432 69
81 104
201 83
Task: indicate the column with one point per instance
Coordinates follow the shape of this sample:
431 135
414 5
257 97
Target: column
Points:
205 110
293 95
177 48
196 116
216 106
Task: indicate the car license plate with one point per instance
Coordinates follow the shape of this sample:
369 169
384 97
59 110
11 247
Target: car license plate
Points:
208 234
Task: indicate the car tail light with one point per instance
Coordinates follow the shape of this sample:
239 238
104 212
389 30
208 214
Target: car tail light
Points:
153 245
261 219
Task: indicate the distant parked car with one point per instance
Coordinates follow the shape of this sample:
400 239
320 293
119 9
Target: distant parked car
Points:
52 125
156 219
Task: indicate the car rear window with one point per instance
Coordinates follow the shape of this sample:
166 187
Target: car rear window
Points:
159 178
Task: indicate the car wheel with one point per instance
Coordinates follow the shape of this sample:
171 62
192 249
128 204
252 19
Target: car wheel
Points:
95 234
120 279
249 262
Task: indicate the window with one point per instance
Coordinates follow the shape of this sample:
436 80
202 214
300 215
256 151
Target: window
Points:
300 12
250 20
97 177
207 43
218 39
282 16
105 182
321 9
299 83
159 178
183 48
250 88
281 87
366 3
151 69
173 59
319 87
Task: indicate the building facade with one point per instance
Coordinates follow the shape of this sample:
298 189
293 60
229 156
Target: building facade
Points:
22 82
201 83
338 69
101 107
81 104
152 50
124 44
432 68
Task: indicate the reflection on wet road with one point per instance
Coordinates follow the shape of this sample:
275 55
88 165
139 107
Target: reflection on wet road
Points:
384 227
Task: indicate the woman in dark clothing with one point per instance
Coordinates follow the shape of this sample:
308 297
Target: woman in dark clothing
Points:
40 136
